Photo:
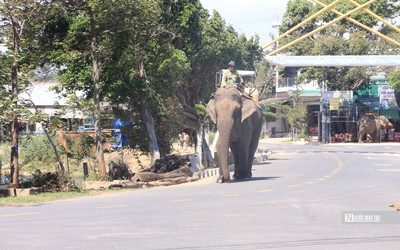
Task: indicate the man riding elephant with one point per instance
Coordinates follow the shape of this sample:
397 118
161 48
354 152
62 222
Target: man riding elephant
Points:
231 77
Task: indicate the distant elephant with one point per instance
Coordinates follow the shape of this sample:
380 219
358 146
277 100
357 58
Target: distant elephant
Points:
371 125
239 123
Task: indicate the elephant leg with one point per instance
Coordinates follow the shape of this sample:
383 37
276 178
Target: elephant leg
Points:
244 156
252 151
360 136
377 137
235 152
255 138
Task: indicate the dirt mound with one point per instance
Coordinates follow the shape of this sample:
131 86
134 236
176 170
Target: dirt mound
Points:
169 164
171 168
134 159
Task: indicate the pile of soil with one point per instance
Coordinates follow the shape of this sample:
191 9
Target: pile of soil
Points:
172 168
169 164
50 182
134 159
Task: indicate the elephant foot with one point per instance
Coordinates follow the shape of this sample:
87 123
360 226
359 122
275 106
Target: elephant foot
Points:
221 179
242 176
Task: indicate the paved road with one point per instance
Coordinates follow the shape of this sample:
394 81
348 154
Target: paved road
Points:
294 201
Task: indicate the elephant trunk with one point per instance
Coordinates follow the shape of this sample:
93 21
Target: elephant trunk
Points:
224 129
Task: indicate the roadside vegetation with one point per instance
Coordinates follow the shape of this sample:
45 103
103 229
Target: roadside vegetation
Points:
153 62
141 57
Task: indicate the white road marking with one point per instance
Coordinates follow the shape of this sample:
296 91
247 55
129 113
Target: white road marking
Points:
389 170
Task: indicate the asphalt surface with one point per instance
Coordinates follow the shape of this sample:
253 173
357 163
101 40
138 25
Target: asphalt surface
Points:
294 201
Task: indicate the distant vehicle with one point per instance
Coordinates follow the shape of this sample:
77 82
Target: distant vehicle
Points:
85 128
39 132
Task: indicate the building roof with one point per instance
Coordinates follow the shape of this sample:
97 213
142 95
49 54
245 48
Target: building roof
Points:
45 100
42 95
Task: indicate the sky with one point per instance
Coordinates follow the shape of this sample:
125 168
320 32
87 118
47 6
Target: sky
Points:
250 17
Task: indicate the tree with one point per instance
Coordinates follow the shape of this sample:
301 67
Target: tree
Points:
266 77
19 21
343 38
394 79
153 55
140 63
83 46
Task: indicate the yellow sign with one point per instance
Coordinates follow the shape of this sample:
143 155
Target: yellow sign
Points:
334 104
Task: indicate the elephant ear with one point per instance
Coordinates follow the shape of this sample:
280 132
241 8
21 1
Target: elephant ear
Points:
248 108
211 110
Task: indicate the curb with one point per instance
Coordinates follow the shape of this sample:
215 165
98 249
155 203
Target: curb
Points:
207 173
263 156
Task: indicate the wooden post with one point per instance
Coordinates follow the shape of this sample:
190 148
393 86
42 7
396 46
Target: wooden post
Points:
85 170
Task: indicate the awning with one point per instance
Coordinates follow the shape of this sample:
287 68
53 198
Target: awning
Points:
311 92
334 61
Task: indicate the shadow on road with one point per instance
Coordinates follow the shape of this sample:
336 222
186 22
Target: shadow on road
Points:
257 179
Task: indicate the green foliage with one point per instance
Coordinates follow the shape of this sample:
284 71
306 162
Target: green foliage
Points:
200 110
36 150
343 38
394 79
296 116
154 55
265 80
385 9
5 153
269 113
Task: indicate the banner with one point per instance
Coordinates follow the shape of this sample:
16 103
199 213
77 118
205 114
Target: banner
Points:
387 98
334 104
344 97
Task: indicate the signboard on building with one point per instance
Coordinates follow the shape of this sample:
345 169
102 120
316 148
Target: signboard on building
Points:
387 98
343 97
334 104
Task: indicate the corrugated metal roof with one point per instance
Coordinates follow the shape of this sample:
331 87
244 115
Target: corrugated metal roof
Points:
43 95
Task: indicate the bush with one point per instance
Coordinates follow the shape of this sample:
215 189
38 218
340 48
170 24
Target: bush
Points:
36 149
5 153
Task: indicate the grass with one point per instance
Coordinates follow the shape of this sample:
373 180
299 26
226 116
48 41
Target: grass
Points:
44 197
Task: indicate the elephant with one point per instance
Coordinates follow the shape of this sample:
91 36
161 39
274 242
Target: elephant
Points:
239 122
371 125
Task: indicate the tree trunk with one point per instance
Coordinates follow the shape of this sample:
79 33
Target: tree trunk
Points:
151 134
148 121
96 91
14 152
14 89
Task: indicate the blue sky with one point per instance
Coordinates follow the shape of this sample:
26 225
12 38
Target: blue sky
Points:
250 16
